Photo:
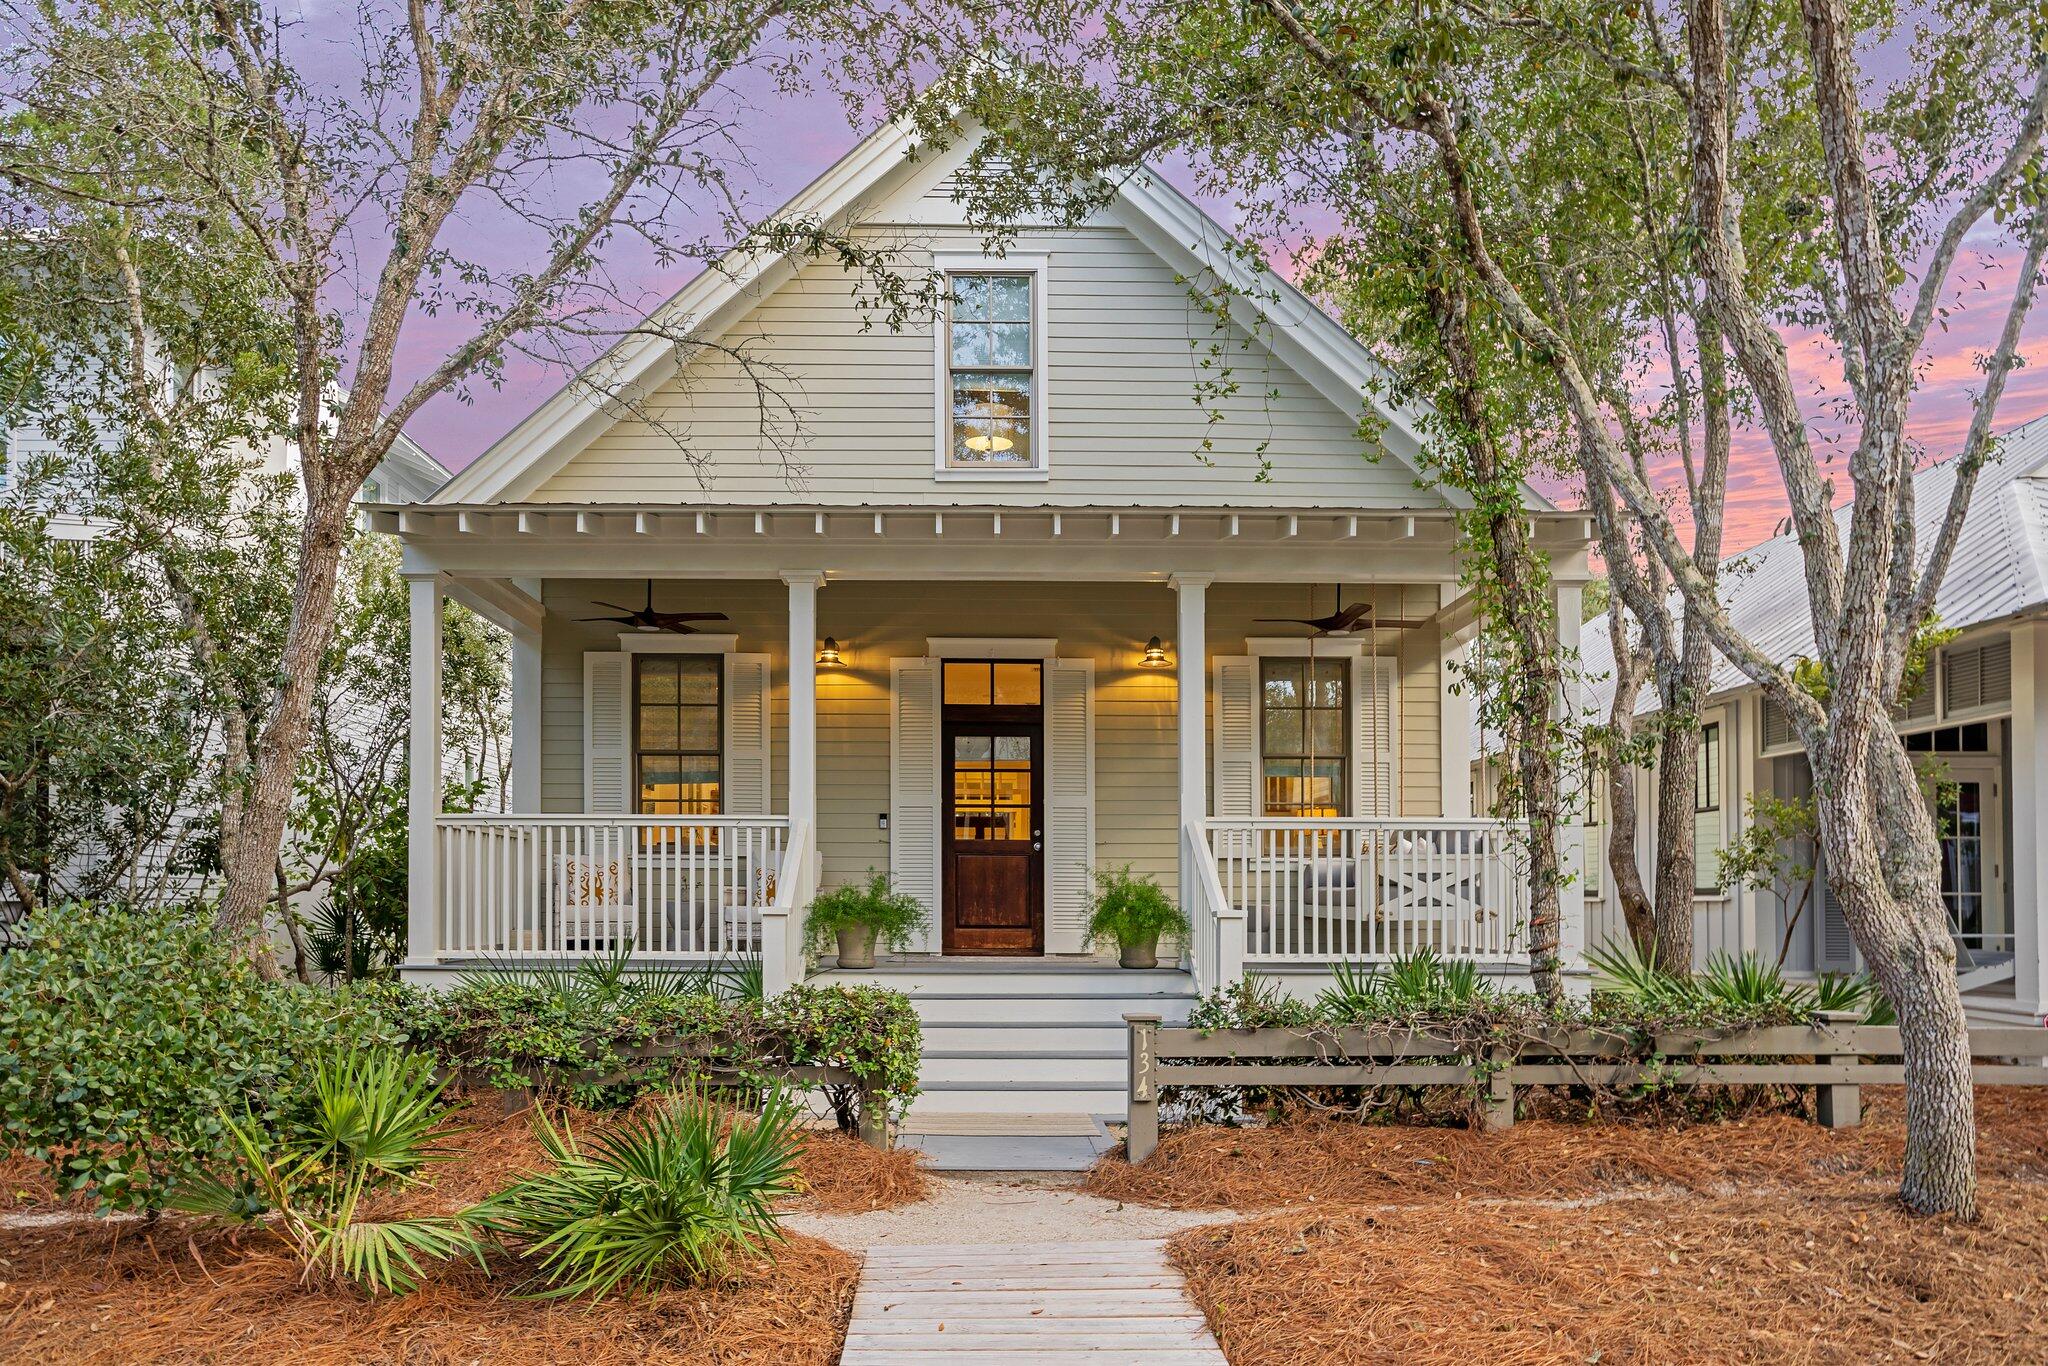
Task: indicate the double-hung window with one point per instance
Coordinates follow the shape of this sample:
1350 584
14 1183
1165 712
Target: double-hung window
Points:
1305 741
1706 813
994 394
678 723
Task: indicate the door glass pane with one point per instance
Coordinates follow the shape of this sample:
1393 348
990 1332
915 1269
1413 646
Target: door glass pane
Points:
1013 785
970 747
1017 685
1013 747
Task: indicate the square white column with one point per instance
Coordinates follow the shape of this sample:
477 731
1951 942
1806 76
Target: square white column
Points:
2027 766
1192 707
424 795
803 695
526 690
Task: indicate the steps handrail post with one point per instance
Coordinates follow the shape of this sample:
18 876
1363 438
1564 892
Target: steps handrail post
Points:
1142 1116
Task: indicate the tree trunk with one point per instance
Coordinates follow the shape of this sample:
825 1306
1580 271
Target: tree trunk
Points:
266 794
1636 911
1519 589
1884 866
1678 753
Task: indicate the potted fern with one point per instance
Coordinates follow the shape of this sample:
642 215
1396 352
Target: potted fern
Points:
1135 912
858 914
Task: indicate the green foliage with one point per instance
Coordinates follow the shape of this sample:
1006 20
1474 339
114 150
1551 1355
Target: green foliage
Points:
128 1036
871 1031
373 1122
1251 1002
1413 984
655 1200
894 916
531 1028
1132 910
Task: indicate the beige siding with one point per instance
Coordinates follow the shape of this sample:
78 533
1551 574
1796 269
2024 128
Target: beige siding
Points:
1135 760
1126 351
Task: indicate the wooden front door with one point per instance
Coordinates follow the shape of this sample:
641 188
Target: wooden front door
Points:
992 740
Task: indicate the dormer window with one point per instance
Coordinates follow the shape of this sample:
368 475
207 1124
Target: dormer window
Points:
991 355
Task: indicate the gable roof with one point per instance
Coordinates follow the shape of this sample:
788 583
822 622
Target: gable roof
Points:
2000 567
1298 332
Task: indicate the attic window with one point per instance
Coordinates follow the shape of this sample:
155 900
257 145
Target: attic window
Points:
991 359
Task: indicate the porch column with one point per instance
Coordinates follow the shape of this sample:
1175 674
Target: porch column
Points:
423 904
526 686
1571 901
803 694
2027 771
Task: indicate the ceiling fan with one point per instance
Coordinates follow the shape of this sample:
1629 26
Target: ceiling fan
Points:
647 619
1344 620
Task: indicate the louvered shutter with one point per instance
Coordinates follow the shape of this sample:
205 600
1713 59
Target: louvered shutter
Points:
1237 738
1980 676
1373 741
607 747
1834 949
746 741
1069 802
914 784
1778 732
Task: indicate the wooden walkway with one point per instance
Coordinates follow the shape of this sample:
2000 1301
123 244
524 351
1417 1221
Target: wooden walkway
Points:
1029 1303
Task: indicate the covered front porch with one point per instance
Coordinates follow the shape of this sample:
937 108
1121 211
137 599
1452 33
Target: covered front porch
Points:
987 706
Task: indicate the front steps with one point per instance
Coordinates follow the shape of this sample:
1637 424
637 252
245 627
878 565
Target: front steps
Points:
1025 1036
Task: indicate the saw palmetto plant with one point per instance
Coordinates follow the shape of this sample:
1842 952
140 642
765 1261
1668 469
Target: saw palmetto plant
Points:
654 1200
374 1121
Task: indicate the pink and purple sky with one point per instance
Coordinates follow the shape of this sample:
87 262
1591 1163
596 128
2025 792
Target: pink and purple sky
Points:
792 139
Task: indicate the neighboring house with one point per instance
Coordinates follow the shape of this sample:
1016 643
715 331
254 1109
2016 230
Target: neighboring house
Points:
1981 717
1012 627
406 472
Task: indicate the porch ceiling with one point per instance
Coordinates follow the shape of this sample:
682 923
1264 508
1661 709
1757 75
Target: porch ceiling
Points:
1145 544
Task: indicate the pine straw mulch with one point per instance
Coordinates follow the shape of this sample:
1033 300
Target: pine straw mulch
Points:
1843 1276
836 1174
1326 1161
129 1292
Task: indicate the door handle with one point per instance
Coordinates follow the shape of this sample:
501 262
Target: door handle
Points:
1035 845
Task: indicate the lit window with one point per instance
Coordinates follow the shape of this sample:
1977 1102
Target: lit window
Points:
993 382
677 728
1304 739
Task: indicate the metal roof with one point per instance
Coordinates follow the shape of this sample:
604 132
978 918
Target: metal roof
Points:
2000 566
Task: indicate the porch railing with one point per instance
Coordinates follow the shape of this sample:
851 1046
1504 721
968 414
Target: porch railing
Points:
568 886
1321 891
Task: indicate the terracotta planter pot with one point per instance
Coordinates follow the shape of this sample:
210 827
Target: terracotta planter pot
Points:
1143 954
857 946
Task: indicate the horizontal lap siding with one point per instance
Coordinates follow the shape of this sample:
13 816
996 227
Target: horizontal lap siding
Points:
1124 422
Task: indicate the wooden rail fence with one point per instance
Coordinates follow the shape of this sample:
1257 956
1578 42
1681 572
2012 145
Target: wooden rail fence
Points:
1844 1056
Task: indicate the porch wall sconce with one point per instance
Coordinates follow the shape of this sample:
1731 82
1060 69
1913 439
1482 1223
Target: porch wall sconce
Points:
1154 656
828 655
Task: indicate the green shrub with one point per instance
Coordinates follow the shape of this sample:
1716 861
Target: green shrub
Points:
127 1037
1132 910
871 1031
895 917
654 1200
374 1122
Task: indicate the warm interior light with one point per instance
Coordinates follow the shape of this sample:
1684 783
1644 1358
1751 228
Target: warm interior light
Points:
828 655
1155 655
986 444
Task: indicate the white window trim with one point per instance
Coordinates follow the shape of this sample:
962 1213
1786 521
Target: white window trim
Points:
1729 832
1040 468
668 643
1296 647
991 647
